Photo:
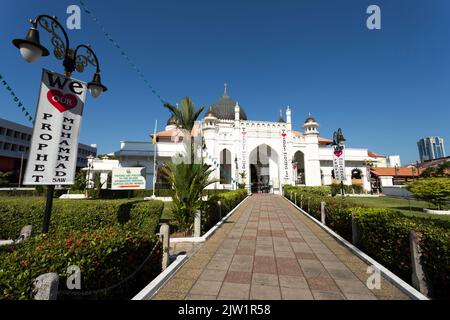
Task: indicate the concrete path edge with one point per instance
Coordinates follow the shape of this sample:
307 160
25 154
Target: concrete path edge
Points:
152 288
391 277
211 231
161 279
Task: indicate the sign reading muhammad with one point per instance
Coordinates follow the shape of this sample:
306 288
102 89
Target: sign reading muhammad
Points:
128 178
54 146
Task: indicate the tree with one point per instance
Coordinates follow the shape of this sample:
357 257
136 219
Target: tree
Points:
80 182
434 190
441 170
187 176
5 178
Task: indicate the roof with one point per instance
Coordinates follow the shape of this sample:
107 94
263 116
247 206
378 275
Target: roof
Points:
224 108
433 163
174 132
321 140
396 172
374 155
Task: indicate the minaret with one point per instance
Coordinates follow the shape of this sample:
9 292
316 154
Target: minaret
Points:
236 112
288 115
311 126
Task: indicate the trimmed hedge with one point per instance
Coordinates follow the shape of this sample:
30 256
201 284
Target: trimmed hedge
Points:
108 240
384 235
228 201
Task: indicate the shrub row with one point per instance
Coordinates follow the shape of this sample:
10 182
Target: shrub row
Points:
108 240
211 213
384 235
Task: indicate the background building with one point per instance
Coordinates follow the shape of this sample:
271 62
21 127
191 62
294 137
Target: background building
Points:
431 148
15 141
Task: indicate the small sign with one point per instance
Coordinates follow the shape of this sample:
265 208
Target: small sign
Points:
128 178
54 145
339 162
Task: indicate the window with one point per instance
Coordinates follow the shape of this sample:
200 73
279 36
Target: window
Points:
23 136
9 132
2 131
7 146
16 134
225 166
14 147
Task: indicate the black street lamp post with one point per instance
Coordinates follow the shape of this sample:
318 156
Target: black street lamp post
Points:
31 50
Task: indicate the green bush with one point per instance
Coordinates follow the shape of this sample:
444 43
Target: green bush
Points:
108 240
384 235
211 214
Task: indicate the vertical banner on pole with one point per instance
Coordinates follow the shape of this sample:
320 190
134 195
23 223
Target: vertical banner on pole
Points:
285 157
54 145
339 162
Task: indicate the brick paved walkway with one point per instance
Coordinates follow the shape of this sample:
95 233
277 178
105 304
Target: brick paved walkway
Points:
268 250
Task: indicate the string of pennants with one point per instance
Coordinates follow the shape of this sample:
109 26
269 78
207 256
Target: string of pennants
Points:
122 52
16 99
135 67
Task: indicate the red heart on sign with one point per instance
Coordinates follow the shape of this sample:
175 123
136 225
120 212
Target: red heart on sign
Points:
283 134
60 101
338 153
244 133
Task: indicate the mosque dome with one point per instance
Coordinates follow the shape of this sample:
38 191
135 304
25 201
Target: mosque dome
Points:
224 108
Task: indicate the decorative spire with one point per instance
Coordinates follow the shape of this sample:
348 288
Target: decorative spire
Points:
281 116
225 91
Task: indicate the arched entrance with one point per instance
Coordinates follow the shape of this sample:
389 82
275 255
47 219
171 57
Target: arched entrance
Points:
298 165
264 169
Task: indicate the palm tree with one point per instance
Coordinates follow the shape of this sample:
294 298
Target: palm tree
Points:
187 178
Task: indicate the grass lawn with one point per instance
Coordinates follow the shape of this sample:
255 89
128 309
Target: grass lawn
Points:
406 207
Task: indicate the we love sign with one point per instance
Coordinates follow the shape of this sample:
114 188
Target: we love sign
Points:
339 162
54 145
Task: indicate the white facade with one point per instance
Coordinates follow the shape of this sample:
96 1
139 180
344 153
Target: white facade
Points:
269 154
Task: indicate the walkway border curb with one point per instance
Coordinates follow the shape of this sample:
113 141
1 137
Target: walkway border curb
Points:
391 277
211 231
153 287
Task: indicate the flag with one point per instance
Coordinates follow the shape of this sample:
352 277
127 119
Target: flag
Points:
154 139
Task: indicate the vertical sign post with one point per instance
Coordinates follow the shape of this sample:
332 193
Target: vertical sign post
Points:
54 145
339 158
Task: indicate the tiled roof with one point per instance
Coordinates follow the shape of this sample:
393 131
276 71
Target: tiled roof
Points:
399 172
374 155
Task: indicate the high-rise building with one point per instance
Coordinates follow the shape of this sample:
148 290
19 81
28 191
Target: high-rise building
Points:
431 148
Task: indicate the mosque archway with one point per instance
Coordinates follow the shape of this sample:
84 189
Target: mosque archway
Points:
264 169
225 166
298 165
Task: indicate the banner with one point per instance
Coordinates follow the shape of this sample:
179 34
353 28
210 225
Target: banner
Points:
128 178
54 144
339 162
285 156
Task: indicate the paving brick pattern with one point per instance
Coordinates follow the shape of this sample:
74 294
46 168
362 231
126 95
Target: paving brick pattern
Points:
268 250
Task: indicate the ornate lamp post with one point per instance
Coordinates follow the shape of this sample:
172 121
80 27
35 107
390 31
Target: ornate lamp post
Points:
32 50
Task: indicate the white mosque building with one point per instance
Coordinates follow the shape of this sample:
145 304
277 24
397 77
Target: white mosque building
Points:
262 154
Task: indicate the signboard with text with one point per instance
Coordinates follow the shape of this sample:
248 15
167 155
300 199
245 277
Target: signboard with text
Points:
339 162
128 178
54 144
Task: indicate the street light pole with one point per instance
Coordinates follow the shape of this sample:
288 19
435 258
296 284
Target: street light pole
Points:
21 166
31 50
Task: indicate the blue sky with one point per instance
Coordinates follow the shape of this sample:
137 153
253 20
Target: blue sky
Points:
386 88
